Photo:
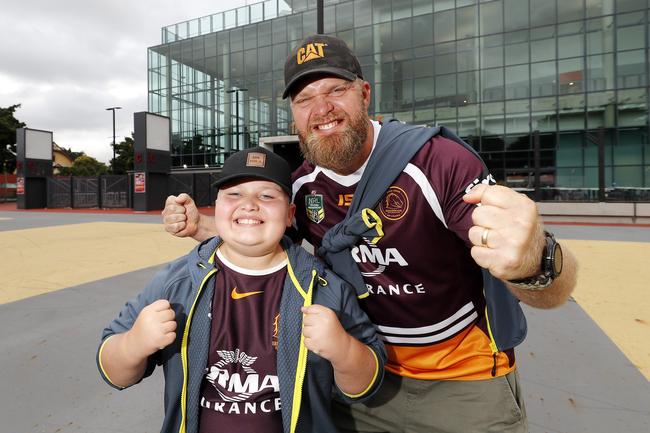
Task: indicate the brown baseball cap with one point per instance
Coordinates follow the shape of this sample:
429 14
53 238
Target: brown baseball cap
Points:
320 54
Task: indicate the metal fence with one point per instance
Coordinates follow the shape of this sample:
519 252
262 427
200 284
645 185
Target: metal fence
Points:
85 192
114 191
107 191
59 192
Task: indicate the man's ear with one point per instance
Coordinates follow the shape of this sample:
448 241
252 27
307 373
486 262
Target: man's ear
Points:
291 214
366 93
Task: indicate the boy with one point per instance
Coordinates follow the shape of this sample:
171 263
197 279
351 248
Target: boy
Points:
251 330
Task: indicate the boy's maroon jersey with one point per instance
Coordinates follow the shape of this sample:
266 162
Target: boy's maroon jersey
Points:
240 392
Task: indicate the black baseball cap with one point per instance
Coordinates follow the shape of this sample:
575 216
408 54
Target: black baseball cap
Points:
256 163
320 54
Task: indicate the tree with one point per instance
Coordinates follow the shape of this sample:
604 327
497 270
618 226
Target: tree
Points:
88 166
8 126
123 156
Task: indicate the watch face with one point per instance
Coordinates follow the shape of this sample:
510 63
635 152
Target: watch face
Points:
557 260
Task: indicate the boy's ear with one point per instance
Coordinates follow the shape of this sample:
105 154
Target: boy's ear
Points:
291 214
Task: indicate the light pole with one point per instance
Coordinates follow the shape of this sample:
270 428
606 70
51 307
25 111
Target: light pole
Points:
236 92
113 110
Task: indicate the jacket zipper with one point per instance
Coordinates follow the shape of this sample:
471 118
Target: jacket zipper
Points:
184 343
301 368
493 344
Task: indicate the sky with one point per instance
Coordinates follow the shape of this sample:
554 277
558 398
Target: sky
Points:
66 61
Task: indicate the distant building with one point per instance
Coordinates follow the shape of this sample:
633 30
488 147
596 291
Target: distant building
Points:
553 94
62 158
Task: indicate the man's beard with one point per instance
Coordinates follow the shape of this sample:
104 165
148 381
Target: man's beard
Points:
339 151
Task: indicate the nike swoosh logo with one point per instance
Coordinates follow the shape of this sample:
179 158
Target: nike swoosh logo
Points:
236 295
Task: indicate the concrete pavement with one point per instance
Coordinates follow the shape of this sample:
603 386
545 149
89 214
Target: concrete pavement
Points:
584 366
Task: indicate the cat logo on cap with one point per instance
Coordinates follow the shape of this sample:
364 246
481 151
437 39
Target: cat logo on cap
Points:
256 159
310 52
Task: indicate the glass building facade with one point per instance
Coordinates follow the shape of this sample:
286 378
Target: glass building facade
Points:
552 94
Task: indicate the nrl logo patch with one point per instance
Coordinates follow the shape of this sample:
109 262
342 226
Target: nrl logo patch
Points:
315 207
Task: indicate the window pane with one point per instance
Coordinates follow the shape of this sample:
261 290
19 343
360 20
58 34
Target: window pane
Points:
601 110
363 41
517 116
600 72
544 114
630 69
571 76
543 82
516 14
542 12
468 54
492 84
571 114
466 22
599 7
362 13
383 34
401 9
570 46
629 38
600 35
423 29
491 51
402 34
632 107
542 44
630 5
467 87
344 16
423 89
444 26
445 58
445 88
569 10
421 7
381 11
517 84
516 47
491 17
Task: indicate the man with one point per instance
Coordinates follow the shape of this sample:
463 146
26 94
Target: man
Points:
445 371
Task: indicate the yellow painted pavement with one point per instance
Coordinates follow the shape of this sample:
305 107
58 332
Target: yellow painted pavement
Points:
41 260
614 289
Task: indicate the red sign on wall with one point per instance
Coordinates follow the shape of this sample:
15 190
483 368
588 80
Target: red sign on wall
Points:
20 185
139 184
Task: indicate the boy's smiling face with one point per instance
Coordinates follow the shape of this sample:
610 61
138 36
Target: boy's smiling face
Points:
251 217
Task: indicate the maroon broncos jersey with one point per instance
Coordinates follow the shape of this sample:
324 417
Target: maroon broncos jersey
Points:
240 392
426 295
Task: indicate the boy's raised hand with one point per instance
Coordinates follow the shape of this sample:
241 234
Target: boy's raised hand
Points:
181 216
324 334
154 329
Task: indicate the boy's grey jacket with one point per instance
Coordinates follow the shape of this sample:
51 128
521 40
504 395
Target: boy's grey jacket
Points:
306 380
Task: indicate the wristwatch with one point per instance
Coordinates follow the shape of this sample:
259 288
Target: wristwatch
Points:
551 267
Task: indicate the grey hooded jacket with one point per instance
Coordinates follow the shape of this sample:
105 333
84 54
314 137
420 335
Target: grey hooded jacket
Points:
396 144
306 380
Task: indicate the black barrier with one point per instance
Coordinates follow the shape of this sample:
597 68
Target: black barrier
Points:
85 192
179 183
114 191
202 189
213 191
59 192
